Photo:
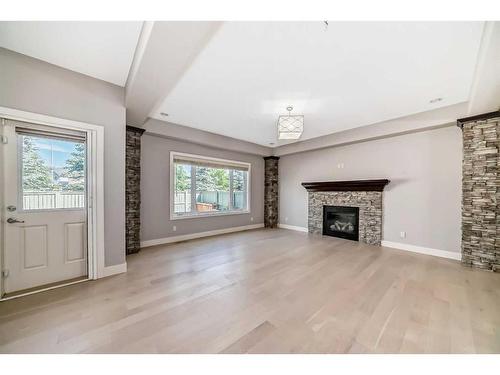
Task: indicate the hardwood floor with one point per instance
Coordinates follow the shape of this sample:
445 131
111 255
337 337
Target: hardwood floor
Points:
265 291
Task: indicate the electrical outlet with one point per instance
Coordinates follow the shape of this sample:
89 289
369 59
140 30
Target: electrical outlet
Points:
286 219
251 219
174 228
340 165
402 234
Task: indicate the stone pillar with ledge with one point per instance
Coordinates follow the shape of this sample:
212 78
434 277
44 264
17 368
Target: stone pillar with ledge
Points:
271 192
133 189
481 191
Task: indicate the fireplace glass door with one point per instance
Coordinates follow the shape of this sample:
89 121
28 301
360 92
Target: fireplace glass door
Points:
341 221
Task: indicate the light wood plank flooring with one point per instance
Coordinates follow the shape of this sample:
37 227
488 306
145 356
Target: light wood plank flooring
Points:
265 291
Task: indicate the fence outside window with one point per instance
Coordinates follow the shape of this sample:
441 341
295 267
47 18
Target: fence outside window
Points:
46 200
215 200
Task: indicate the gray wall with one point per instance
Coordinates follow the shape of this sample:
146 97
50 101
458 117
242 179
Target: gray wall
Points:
155 187
174 131
35 86
423 198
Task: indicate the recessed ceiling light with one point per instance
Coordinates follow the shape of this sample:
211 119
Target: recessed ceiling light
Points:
164 114
435 100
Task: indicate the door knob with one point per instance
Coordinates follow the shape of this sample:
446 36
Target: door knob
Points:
12 220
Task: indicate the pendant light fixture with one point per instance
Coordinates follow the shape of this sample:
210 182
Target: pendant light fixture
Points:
290 126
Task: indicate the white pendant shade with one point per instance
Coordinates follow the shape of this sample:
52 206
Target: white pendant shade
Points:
290 126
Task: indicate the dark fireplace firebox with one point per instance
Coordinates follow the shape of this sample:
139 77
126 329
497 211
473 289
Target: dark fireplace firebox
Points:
341 221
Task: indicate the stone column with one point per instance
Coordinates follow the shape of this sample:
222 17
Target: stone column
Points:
271 192
481 191
133 190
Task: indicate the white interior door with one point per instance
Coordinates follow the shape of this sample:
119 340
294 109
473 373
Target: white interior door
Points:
45 224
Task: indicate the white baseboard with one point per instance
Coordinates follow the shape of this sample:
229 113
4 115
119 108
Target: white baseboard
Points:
423 250
292 227
185 237
114 270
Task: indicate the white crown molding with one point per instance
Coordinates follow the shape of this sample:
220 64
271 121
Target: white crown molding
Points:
192 236
423 250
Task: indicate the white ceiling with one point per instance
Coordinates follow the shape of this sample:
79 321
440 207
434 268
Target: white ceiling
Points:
345 76
102 50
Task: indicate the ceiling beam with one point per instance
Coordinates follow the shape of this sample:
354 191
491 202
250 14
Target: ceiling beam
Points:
164 52
147 28
485 89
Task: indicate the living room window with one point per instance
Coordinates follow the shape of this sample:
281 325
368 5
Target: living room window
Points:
202 186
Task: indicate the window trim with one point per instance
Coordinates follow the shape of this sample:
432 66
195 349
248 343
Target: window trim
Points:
173 154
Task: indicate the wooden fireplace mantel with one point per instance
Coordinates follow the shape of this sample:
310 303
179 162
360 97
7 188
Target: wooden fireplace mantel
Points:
356 185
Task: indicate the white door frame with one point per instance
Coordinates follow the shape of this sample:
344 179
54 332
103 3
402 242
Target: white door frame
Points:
95 184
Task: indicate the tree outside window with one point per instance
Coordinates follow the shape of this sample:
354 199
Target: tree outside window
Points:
52 172
214 189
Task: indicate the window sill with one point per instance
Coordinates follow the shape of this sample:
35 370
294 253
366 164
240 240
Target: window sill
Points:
195 216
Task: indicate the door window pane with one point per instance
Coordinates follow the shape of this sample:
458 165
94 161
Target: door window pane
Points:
52 173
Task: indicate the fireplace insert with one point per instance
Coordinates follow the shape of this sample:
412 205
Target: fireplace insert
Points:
341 221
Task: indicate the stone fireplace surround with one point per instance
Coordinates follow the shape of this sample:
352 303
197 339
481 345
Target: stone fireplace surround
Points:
365 194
